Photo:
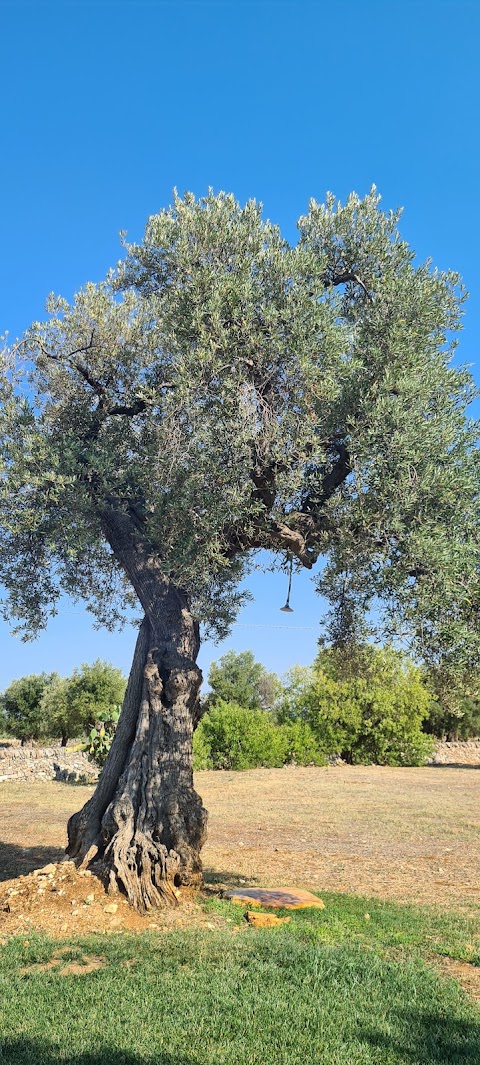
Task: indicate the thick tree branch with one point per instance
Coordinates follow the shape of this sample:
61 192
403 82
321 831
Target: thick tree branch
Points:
331 480
264 481
126 410
331 279
296 543
298 532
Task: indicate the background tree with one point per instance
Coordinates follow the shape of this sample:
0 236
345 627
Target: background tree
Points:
238 678
22 704
454 714
224 393
72 705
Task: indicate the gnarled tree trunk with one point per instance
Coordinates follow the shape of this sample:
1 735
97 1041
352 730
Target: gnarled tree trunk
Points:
145 822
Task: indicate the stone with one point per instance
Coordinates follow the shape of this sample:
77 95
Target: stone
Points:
277 898
46 870
111 908
89 899
265 920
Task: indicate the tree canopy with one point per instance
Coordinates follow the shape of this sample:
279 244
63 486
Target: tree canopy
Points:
238 678
73 704
22 706
47 705
230 392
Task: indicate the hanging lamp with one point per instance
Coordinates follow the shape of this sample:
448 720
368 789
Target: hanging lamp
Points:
287 609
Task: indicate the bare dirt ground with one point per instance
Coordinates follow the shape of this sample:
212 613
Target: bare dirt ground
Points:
411 835
406 834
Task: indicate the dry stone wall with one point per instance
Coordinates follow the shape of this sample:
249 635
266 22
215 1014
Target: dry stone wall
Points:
457 753
45 763
60 763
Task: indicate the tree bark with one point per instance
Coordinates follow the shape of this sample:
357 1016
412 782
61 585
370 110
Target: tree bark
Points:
145 823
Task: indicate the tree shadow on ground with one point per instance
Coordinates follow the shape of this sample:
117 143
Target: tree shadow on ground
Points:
215 878
29 1052
16 861
455 765
430 1038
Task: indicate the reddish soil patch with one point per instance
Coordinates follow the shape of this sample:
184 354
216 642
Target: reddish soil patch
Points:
67 902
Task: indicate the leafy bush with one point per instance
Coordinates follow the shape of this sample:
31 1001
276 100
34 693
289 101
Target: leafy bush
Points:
201 748
44 705
238 678
239 738
459 723
368 705
294 703
72 705
301 745
3 720
234 737
325 705
391 731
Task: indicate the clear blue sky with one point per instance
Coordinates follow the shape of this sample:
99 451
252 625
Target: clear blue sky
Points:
108 105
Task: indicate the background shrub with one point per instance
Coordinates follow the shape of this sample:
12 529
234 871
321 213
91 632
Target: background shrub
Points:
101 736
364 703
201 748
460 721
301 745
93 693
235 737
46 706
3 720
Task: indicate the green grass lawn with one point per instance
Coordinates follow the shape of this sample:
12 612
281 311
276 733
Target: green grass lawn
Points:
334 987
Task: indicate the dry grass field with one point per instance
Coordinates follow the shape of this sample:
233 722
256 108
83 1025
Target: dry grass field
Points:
403 834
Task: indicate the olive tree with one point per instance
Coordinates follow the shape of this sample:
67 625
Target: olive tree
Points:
220 393
23 708
238 678
73 704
